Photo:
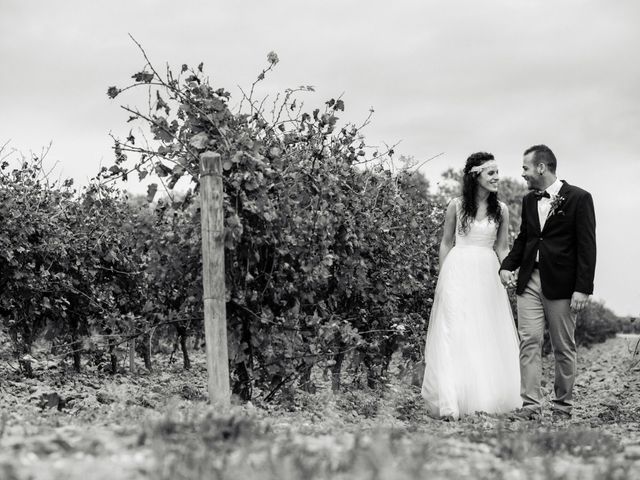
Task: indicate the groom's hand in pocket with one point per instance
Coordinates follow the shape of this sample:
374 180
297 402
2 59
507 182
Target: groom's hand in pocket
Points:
578 301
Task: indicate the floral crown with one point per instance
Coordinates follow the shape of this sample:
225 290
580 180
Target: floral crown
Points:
480 168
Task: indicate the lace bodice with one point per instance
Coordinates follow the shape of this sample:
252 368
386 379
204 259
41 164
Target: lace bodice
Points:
482 233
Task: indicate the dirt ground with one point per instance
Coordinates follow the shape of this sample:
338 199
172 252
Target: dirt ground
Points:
60 425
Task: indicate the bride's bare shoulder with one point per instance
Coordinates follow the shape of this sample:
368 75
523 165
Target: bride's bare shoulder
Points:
456 201
454 204
452 208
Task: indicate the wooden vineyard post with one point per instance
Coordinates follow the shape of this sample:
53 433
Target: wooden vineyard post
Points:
215 314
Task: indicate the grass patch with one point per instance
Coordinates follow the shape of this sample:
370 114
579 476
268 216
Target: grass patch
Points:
575 442
236 446
218 447
364 403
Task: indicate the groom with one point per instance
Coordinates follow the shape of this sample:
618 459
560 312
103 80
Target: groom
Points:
556 253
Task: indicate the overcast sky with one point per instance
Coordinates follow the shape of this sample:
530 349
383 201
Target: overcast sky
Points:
443 76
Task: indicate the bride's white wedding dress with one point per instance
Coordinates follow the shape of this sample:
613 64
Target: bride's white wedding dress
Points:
471 355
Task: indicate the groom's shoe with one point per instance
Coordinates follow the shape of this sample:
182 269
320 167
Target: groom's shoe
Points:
525 414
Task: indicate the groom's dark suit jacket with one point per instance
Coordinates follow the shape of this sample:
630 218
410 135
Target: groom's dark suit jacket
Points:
567 245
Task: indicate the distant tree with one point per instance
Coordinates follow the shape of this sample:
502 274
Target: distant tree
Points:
511 192
629 325
450 185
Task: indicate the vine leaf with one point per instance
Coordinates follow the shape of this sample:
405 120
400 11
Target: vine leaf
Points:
199 140
143 77
151 192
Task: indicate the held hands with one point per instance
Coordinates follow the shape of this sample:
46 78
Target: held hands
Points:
508 278
578 301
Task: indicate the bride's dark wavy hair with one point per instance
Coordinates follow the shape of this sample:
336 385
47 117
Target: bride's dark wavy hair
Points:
470 187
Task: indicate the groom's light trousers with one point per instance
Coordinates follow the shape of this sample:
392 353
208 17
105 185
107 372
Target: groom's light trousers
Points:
533 310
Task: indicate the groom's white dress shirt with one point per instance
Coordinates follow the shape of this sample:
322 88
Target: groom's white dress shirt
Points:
544 205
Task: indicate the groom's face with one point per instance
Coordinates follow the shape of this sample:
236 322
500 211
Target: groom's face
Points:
530 172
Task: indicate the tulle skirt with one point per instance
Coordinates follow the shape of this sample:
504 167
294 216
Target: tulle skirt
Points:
471 355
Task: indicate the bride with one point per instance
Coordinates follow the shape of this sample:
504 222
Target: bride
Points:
471 353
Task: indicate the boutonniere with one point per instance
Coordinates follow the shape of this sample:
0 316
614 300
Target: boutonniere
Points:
556 203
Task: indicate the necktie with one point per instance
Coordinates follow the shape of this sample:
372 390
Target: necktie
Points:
541 194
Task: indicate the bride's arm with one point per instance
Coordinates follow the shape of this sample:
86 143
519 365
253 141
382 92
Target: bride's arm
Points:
449 232
502 242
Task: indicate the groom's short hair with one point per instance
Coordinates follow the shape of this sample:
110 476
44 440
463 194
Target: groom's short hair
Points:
543 154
